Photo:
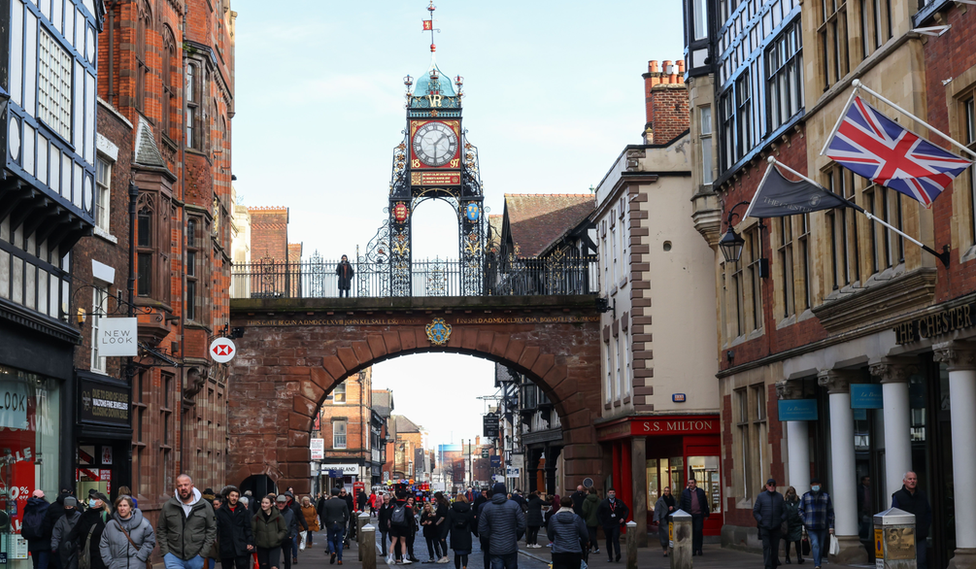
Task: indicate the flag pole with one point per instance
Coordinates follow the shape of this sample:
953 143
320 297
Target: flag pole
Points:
840 118
944 256
858 85
765 175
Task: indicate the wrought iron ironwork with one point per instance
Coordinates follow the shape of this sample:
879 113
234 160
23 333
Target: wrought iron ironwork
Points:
432 277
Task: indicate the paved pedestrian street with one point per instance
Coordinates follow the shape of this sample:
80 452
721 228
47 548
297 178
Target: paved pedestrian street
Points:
715 557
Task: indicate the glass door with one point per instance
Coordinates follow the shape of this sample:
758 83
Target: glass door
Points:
704 469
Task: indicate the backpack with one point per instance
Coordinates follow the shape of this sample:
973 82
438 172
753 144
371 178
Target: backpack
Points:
84 555
32 526
399 515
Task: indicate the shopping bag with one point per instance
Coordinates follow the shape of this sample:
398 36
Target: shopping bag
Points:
834 545
301 544
582 564
805 546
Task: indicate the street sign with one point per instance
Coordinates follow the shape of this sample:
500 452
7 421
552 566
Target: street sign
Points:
495 461
222 350
484 453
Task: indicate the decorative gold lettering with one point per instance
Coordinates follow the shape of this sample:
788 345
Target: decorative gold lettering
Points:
435 100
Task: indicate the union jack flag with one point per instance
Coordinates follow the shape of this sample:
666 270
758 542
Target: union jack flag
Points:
873 146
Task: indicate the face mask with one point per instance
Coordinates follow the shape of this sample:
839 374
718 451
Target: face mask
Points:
815 488
91 503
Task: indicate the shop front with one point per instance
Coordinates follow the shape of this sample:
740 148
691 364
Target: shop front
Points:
104 435
341 475
675 449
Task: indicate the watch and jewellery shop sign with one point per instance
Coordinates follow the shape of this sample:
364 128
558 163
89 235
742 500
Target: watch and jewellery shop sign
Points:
661 426
105 404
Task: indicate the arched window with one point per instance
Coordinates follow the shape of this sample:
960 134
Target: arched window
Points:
169 84
143 25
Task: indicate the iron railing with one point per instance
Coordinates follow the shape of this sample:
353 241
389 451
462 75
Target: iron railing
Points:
433 277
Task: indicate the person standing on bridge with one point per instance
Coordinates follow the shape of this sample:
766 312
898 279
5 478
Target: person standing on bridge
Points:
345 273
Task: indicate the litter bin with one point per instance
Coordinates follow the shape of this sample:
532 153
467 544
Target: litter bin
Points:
679 540
894 540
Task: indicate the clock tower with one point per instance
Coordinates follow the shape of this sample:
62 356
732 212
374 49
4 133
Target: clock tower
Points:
436 161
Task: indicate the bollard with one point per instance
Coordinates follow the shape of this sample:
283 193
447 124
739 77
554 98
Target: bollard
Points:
369 548
679 540
895 540
631 545
361 520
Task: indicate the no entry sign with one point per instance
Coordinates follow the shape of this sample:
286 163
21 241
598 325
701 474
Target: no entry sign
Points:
222 350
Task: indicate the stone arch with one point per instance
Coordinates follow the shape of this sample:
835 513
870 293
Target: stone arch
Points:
271 436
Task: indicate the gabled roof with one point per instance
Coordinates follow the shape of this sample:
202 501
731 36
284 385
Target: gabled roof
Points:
383 402
404 425
536 220
147 153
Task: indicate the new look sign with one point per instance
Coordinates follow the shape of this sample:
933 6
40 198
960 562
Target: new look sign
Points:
118 337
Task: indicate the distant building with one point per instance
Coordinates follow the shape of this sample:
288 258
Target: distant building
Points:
345 427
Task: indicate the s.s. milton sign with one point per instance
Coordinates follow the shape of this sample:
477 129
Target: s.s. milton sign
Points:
935 324
704 425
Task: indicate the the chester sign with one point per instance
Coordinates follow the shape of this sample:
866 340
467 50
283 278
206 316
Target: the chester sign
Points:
935 324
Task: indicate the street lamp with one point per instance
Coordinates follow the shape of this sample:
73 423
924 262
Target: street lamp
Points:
732 243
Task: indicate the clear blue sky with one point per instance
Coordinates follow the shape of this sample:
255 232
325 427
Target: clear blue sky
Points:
553 94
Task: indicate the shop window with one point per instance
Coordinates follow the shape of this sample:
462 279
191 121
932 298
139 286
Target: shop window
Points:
704 469
30 437
339 434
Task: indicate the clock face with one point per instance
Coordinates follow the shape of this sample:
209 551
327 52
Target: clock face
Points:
435 144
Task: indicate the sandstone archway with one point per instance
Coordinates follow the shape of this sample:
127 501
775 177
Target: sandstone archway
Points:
291 357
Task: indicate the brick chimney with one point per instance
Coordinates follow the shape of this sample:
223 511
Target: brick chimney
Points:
269 233
665 101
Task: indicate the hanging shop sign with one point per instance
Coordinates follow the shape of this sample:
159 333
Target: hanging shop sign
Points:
222 350
866 396
118 337
935 324
797 409
105 404
490 428
317 448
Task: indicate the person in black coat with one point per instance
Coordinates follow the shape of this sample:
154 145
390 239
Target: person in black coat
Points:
38 542
695 502
913 500
386 512
88 530
460 517
350 503
235 536
770 514
412 529
533 520
345 273
612 514
54 513
441 508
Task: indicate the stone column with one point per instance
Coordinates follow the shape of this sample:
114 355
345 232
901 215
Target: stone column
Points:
843 483
961 360
897 424
638 458
797 440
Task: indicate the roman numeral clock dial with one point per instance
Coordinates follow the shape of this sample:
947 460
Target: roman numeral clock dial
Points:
435 144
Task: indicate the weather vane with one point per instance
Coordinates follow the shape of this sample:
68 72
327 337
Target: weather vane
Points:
429 25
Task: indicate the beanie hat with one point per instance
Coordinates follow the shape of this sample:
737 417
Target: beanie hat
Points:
498 488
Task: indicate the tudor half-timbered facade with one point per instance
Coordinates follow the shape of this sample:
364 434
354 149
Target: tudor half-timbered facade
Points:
48 54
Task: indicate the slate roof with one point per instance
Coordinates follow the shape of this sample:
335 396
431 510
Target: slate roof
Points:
383 402
537 220
404 425
147 153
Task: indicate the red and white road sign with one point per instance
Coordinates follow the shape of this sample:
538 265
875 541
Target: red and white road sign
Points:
222 350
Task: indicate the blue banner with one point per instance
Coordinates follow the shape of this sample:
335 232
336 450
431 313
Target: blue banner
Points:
866 396
797 409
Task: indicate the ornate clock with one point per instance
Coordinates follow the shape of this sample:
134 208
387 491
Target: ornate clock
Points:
435 144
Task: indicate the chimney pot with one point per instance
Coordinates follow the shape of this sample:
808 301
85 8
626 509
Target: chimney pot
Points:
653 65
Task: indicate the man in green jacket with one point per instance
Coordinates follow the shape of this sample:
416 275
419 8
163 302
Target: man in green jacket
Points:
186 528
590 505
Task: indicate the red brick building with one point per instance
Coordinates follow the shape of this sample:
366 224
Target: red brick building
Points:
166 74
